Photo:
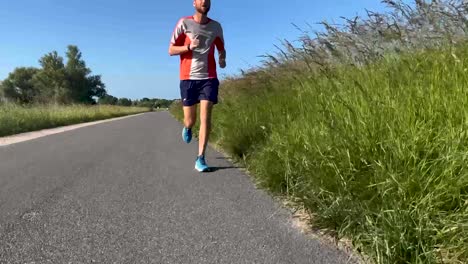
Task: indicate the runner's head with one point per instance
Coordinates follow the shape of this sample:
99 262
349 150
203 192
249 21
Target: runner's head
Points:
202 6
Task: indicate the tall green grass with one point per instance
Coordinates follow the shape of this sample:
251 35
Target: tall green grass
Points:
17 119
377 154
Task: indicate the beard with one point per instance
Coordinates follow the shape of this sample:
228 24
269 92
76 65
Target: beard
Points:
203 10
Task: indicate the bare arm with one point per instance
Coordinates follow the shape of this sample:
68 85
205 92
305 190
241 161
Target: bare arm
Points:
221 49
177 50
222 55
222 59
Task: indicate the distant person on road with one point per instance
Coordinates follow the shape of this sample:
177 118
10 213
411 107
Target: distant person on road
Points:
195 39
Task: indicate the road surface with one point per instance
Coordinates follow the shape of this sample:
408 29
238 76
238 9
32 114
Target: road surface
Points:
126 192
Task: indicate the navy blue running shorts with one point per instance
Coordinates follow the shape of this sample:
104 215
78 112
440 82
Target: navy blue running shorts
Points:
192 91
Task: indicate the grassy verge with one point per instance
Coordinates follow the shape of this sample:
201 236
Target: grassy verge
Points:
16 119
378 154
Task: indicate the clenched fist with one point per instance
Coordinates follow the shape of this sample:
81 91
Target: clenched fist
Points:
222 63
194 44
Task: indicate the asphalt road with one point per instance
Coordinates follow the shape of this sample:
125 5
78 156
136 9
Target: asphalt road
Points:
126 192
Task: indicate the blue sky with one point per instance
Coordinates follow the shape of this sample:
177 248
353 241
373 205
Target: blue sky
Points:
127 41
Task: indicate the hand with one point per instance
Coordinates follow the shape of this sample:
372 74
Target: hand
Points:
222 63
194 44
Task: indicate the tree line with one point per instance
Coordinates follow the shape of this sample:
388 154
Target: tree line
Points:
64 82
144 102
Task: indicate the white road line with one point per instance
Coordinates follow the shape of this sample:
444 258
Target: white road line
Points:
5 141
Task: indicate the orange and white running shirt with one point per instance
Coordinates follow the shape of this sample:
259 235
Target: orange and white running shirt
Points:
200 63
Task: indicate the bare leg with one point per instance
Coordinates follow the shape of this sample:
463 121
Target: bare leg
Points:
190 116
205 125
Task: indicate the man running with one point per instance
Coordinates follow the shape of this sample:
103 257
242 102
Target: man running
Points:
195 39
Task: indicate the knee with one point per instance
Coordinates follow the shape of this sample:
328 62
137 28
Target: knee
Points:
189 122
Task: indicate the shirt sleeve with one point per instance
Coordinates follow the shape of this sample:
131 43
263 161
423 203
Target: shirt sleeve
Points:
219 41
178 36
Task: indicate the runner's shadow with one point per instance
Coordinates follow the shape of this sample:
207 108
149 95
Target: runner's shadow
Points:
213 169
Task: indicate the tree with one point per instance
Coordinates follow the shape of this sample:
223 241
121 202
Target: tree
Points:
124 102
145 102
19 86
108 100
76 72
83 88
52 80
96 88
155 102
162 103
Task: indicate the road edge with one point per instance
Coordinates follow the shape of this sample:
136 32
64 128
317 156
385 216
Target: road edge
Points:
22 137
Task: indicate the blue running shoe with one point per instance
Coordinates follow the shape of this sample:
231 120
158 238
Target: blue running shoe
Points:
200 164
187 135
